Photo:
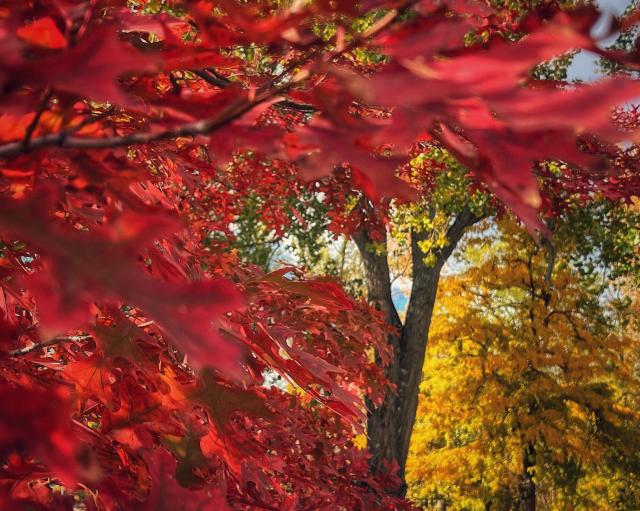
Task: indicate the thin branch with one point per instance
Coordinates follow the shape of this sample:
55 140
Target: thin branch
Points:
212 77
299 107
202 126
551 261
42 106
51 342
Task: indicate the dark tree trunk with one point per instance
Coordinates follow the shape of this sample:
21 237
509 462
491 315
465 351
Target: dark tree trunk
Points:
390 425
382 446
527 485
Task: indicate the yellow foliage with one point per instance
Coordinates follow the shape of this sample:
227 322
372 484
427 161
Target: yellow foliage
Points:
517 363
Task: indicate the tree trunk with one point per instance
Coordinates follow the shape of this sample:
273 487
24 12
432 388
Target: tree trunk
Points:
390 425
384 419
527 485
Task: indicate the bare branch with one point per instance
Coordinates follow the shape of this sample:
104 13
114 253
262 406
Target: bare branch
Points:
51 342
44 101
201 127
212 77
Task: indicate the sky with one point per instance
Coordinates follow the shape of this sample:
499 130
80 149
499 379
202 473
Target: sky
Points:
584 66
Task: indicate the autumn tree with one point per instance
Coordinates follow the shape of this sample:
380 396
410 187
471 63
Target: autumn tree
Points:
135 344
432 225
530 383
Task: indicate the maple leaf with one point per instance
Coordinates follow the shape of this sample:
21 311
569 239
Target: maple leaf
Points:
43 32
87 265
325 293
120 338
467 90
535 109
167 495
223 401
319 147
92 378
90 69
426 39
37 422
189 455
307 371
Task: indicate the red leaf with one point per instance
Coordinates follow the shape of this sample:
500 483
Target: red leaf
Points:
167 495
37 422
320 147
583 109
90 69
86 267
43 32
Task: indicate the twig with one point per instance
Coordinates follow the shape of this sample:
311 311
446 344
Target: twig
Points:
212 77
299 107
44 100
51 342
175 83
551 261
200 127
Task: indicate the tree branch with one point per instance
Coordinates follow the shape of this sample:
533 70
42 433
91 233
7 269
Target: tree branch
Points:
44 100
202 126
212 77
51 342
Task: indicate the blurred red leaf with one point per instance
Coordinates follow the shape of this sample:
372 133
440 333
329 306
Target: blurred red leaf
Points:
167 495
36 423
43 32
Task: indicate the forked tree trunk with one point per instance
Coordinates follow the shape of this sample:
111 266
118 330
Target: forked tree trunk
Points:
390 425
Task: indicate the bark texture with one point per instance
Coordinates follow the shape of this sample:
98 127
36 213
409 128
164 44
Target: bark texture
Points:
390 425
528 485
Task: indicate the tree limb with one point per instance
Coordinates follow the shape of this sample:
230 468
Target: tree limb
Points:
212 77
44 100
51 342
202 126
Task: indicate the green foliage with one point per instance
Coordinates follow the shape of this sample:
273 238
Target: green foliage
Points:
450 194
554 70
305 239
603 237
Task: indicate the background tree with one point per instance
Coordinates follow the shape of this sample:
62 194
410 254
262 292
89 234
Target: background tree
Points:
430 230
530 382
